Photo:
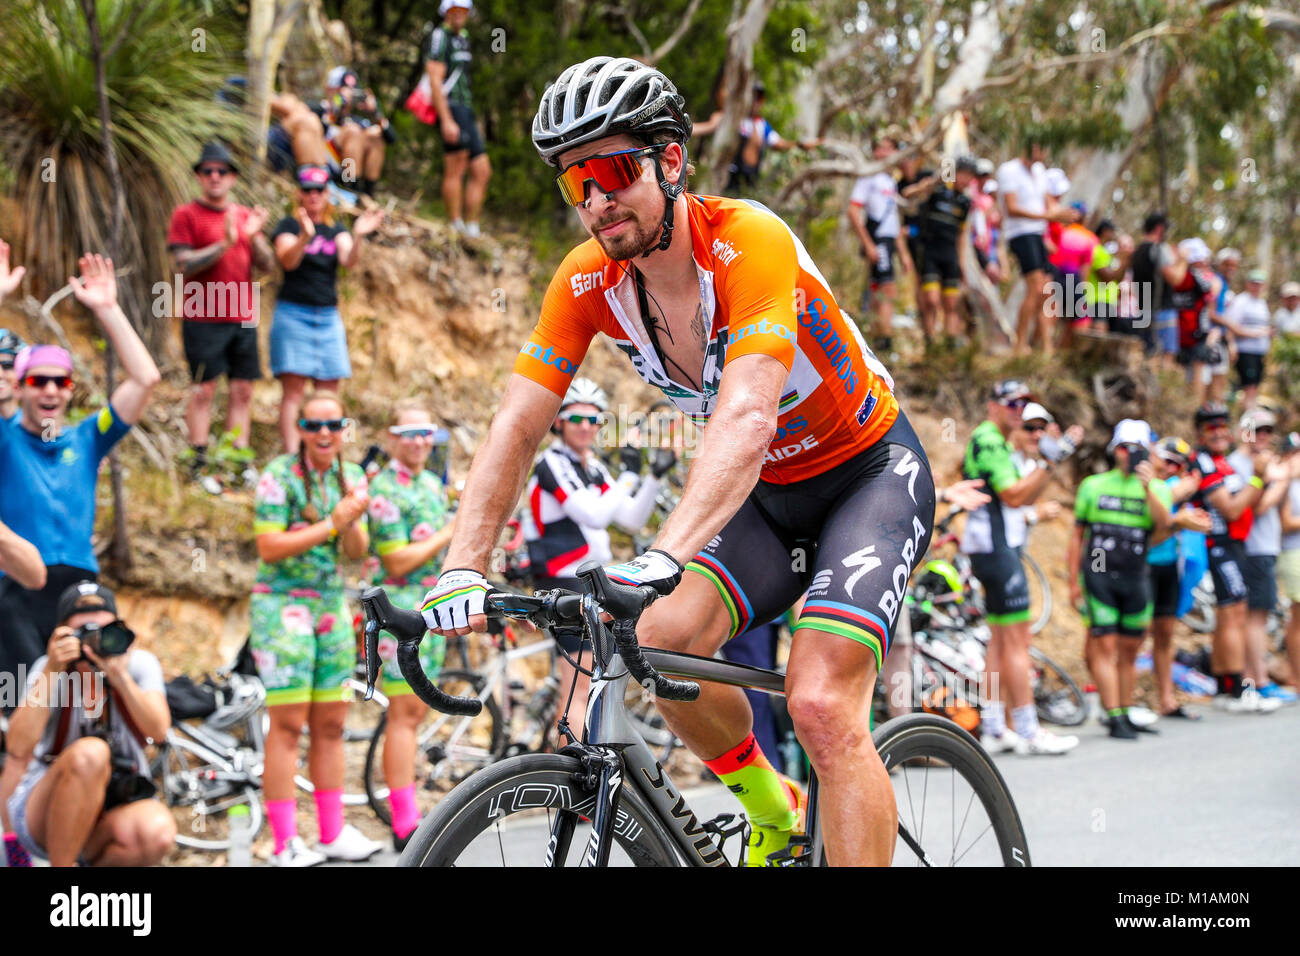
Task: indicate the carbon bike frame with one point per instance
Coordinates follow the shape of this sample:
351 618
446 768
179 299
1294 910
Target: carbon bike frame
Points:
616 752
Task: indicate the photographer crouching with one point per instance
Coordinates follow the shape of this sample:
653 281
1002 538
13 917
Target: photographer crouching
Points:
91 703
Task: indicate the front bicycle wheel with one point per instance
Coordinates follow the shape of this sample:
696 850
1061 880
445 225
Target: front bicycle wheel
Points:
504 816
953 805
447 749
1040 595
1056 695
201 795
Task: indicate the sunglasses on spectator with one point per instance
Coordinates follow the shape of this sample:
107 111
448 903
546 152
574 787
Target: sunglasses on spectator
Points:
1215 426
214 170
1265 430
412 431
316 424
582 419
6 364
609 171
1036 427
1016 403
312 189
40 381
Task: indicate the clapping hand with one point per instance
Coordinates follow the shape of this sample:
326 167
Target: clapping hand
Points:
305 224
254 222
367 222
232 229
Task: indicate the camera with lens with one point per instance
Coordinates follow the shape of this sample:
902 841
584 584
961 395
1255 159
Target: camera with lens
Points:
108 640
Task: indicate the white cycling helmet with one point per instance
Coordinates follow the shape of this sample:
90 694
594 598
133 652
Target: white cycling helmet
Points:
604 96
583 391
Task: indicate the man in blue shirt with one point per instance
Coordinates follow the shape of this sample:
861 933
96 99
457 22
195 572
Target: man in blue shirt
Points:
48 471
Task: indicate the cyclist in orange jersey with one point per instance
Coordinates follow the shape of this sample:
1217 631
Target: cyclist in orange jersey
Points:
807 476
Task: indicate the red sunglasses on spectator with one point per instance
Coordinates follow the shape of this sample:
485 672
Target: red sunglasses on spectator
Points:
40 381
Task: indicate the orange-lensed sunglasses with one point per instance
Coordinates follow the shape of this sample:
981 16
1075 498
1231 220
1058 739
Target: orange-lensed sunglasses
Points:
610 172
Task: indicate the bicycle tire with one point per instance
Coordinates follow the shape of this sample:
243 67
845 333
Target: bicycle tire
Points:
938 746
181 788
546 782
1063 705
1035 572
458 683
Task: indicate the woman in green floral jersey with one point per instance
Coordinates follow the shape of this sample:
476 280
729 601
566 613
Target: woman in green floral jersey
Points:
309 509
408 530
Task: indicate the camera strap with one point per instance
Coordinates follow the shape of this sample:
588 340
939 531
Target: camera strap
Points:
65 722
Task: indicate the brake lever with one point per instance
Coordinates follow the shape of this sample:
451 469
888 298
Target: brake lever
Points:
372 655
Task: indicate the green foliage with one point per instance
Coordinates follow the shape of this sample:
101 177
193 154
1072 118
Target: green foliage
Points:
161 77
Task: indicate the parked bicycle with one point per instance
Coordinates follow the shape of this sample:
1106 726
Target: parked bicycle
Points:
606 799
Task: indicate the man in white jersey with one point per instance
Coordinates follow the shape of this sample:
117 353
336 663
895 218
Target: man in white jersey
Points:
873 211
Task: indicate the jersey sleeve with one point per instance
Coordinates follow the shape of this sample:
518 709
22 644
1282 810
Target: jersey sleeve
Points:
861 189
180 234
993 464
1211 476
760 288
271 504
564 330
1083 501
106 429
438 44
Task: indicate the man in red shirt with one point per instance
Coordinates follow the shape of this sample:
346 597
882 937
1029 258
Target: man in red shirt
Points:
218 246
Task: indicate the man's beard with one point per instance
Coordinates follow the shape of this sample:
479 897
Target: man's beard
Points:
631 243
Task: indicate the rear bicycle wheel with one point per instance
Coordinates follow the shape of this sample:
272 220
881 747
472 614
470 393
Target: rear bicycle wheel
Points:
1040 594
504 815
447 749
953 805
1056 696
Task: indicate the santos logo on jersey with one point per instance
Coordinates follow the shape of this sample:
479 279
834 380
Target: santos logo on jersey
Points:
586 281
548 357
819 326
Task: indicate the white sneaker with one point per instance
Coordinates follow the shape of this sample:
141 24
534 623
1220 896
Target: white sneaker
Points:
1142 716
1046 742
1250 702
350 846
1008 740
295 853
471 230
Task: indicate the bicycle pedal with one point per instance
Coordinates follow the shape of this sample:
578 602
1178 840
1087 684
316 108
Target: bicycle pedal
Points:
789 857
723 827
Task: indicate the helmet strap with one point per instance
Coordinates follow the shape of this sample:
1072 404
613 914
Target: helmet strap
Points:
671 191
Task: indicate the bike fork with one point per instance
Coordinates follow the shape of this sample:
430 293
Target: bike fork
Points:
607 766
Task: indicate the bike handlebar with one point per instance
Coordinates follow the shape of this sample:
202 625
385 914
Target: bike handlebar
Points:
624 603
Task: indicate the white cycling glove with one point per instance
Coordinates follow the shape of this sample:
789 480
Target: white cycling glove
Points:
456 598
659 569
1056 449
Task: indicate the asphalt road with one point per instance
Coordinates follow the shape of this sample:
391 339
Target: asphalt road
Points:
1223 791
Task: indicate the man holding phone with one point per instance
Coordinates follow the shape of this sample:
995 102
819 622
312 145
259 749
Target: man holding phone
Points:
92 703
1120 514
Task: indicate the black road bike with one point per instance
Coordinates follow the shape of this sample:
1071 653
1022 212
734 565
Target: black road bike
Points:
606 800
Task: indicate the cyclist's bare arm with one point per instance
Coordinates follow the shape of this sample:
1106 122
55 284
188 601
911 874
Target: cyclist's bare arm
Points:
1027 489
730 457
498 473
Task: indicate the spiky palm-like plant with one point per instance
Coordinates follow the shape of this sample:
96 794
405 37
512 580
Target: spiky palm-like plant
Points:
163 65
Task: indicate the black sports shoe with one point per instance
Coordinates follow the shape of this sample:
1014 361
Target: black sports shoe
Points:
1141 728
399 843
1121 728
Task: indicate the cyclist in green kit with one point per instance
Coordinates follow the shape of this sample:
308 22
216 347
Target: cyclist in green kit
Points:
1120 514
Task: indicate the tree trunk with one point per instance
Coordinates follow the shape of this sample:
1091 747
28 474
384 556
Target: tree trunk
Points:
121 546
269 24
737 87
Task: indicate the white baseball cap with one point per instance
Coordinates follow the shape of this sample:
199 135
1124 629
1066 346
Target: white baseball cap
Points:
1034 412
1194 250
1058 184
448 4
1289 289
1131 431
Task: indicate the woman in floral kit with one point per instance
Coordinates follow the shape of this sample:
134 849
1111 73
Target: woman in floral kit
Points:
408 530
309 507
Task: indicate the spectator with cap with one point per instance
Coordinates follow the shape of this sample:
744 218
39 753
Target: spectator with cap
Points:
1170 458
1229 499
218 246
48 470
1247 318
76 742
1103 272
308 341
1287 317
941 221
1254 456
1192 294
1121 513
466 169
873 214
1022 184
985 218
993 539
1036 424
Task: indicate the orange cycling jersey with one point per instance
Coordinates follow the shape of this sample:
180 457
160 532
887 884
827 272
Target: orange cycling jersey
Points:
761 294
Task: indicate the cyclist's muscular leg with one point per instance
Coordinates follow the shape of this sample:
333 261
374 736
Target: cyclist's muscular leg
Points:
828 693
694 620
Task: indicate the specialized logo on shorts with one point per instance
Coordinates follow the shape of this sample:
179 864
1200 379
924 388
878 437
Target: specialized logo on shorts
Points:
714 544
865 409
814 319
910 467
724 251
865 561
584 282
549 357
821 582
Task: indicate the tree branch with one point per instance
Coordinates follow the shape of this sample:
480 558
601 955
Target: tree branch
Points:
667 46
